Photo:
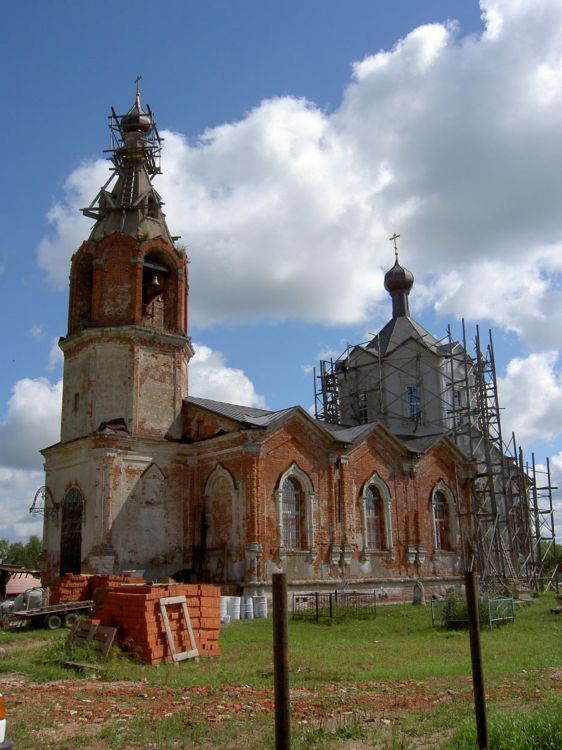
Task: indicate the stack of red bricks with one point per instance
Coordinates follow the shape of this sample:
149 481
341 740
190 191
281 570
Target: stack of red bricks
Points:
135 611
74 587
132 605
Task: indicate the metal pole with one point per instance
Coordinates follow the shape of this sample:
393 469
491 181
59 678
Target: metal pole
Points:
476 658
281 663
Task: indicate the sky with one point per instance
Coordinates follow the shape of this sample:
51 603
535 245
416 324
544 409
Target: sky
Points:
298 137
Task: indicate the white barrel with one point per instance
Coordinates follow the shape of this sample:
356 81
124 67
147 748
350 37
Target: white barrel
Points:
260 607
234 607
248 608
224 607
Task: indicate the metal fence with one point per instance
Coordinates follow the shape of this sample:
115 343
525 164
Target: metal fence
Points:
337 605
492 612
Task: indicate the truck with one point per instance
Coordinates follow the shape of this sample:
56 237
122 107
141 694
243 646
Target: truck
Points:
31 608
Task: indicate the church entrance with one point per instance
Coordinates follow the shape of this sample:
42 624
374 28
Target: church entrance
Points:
71 532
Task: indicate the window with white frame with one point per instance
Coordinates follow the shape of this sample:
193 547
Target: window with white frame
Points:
374 518
441 516
443 519
292 513
376 522
295 512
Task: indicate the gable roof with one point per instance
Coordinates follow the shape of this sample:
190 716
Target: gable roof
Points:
250 416
398 330
247 415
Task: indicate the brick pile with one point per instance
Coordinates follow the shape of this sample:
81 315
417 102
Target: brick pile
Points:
74 587
132 606
135 611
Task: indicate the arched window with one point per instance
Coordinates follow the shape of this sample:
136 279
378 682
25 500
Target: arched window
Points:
295 502
443 518
71 532
374 518
292 514
441 515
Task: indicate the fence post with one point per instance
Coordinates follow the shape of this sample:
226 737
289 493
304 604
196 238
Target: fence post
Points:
316 600
331 611
281 663
476 658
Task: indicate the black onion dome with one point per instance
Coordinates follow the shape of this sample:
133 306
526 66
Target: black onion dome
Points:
398 279
136 119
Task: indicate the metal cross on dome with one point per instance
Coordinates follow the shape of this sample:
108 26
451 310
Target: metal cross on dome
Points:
394 238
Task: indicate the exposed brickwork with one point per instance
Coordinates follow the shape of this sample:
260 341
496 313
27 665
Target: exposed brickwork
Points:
338 476
132 605
79 588
135 611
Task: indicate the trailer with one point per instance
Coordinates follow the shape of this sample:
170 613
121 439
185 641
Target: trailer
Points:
30 608
51 617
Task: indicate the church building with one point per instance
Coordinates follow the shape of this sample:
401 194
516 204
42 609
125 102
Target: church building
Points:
147 477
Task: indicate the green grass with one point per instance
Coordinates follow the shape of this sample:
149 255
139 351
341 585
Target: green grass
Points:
362 681
537 729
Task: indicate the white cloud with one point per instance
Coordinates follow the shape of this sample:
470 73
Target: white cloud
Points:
209 377
37 332
56 357
17 489
530 395
32 422
452 141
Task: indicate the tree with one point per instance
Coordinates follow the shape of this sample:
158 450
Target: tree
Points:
20 554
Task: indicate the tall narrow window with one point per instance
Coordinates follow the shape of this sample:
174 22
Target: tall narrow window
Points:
363 415
71 532
292 514
457 395
442 525
414 402
374 517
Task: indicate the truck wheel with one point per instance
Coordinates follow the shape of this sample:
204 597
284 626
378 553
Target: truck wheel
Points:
53 621
71 619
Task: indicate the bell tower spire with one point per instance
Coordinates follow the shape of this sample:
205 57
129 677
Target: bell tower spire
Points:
126 350
128 202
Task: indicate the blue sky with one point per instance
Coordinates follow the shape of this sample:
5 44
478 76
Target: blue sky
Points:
299 136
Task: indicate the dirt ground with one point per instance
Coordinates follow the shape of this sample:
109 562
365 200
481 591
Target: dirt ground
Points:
79 708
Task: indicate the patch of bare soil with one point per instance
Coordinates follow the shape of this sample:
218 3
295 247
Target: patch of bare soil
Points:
75 710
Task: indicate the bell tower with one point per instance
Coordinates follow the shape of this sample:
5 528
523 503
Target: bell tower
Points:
126 350
115 478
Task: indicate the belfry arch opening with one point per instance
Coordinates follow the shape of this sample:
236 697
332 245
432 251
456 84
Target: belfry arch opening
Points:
158 292
81 289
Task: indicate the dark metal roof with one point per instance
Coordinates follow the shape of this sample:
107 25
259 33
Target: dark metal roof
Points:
245 414
254 417
398 330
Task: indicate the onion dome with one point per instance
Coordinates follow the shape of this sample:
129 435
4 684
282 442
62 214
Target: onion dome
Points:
136 118
398 279
398 282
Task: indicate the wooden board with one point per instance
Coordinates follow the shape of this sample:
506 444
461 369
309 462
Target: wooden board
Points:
192 653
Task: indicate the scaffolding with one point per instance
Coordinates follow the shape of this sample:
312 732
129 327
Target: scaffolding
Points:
507 532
